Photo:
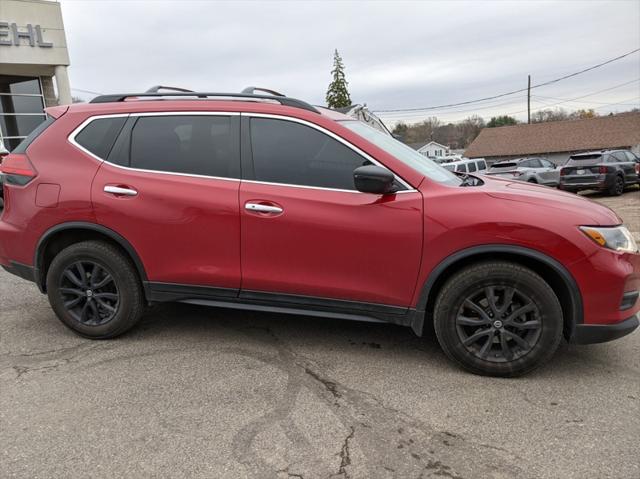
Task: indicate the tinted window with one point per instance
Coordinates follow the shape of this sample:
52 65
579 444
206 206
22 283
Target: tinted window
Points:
99 135
461 167
22 147
534 163
631 156
472 167
482 165
547 164
193 144
295 154
619 156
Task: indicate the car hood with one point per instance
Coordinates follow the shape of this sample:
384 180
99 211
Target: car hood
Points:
581 209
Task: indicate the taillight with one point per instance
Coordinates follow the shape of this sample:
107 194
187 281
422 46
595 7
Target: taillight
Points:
602 169
17 170
638 168
563 171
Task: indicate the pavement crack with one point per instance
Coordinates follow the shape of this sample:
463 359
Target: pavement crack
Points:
329 385
345 454
290 474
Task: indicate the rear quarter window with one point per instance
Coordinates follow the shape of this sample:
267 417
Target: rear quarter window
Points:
99 135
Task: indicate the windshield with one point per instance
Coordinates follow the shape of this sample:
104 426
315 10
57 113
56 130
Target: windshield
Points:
404 153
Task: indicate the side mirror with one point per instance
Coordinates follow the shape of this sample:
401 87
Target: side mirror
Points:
373 179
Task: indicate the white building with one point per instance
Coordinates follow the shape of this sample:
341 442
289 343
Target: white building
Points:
431 149
33 65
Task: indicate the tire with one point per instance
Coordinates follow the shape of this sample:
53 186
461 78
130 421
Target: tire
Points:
617 188
113 300
538 330
532 180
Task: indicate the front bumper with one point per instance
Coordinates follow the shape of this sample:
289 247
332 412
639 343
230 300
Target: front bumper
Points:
601 333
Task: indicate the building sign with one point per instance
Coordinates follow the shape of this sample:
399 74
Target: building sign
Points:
10 34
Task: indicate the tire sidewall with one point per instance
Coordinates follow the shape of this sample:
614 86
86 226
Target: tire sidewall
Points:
535 288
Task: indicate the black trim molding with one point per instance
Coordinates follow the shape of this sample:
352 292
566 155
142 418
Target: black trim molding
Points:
576 297
81 225
21 270
278 302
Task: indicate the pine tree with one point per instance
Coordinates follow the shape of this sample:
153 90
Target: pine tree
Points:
337 93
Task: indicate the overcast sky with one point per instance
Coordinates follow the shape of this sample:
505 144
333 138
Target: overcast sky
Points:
397 54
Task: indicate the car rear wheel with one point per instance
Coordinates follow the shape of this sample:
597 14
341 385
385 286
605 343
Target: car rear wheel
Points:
94 290
498 319
617 188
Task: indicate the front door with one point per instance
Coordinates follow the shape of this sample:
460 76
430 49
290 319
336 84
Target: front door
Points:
307 232
170 187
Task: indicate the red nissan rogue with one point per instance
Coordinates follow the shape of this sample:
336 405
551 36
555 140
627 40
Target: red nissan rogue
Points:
263 202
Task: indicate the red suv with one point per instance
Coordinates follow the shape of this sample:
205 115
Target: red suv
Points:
267 203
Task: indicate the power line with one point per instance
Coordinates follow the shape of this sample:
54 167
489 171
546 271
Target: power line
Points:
86 91
511 92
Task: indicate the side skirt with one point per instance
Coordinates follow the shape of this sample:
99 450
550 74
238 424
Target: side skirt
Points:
279 303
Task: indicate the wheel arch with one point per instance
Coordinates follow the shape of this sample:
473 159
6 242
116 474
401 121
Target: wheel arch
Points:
63 235
551 270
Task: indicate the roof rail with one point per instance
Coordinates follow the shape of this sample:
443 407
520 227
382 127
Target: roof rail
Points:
179 92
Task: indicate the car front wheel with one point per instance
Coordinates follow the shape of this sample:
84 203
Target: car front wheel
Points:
94 290
498 319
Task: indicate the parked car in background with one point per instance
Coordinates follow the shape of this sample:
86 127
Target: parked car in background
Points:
531 170
268 203
467 166
607 170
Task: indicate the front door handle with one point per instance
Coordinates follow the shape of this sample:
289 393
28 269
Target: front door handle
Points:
261 208
120 190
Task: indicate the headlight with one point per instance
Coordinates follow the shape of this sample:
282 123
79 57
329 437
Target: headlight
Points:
616 238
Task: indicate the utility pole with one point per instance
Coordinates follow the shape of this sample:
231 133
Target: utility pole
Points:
529 100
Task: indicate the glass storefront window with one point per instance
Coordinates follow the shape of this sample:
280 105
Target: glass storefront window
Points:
16 85
20 104
21 108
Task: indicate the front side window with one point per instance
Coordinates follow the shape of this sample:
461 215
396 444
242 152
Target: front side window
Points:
296 154
192 144
461 167
482 165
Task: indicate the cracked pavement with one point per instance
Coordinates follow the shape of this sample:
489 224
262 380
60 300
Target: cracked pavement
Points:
199 392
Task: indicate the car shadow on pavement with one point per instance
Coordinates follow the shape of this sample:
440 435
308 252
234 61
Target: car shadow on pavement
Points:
187 323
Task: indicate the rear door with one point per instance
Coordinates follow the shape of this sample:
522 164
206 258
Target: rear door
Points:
549 173
170 187
308 236
627 167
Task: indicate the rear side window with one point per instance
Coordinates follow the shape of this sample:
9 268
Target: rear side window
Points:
472 167
24 144
295 154
206 145
99 135
482 165
631 156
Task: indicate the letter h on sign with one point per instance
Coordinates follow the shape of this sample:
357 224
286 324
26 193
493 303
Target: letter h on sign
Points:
32 34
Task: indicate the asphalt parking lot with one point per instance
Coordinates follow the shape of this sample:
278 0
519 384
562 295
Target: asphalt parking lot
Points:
197 392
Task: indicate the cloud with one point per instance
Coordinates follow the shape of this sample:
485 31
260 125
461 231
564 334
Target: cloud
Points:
397 54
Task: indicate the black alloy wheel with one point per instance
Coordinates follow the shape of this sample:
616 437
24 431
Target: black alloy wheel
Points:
95 289
89 293
498 324
498 318
618 186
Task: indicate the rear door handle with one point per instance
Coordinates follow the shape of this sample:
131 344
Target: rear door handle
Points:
120 190
260 208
